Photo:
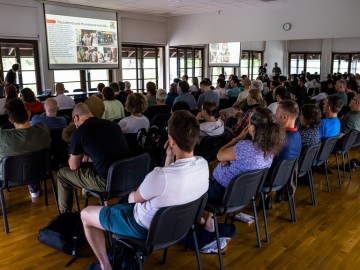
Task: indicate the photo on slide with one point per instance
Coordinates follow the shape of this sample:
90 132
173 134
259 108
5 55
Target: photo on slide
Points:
110 55
106 38
86 37
87 54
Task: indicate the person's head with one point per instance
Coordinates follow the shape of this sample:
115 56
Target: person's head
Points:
173 88
121 86
108 93
310 116
286 113
161 96
267 135
183 130
205 85
180 106
301 81
80 113
209 109
100 87
59 89
28 95
127 85
255 97
17 112
265 65
51 107
222 76
195 81
340 86
234 83
136 103
96 106
280 93
256 84
115 86
151 89
355 103
184 87
10 92
276 64
185 77
274 84
332 105
176 80
221 83
15 67
246 82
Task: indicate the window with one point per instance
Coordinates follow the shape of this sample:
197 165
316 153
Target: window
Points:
305 62
25 54
70 79
250 63
216 71
346 62
142 64
186 61
95 76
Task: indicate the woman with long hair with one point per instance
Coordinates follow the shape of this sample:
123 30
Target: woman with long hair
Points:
31 102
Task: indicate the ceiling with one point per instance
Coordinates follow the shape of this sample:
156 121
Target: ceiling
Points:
169 8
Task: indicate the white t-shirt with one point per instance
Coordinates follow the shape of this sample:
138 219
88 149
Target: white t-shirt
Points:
2 106
243 95
212 128
273 106
64 102
181 182
132 124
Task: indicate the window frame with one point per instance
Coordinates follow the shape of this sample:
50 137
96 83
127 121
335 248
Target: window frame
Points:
250 67
305 61
350 55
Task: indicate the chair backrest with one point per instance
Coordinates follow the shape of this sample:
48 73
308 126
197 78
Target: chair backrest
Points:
357 141
25 169
282 172
160 120
210 146
4 119
58 149
65 112
326 148
79 91
307 157
244 187
171 224
349 139
127 174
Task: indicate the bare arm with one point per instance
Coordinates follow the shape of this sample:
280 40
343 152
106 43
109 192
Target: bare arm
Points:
135 197
75 161
227 152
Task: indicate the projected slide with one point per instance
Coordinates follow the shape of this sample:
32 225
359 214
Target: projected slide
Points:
224 54
81 41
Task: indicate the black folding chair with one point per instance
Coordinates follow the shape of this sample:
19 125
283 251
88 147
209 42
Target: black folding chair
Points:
160 120
306 162
210 146
322 158
241 190
168 227
280 178
23 170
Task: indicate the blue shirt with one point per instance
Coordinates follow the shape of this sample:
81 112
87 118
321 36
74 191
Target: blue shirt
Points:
292 148
51 122
188 98
330 127
234 92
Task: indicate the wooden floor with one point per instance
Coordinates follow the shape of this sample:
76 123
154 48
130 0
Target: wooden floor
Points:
326 236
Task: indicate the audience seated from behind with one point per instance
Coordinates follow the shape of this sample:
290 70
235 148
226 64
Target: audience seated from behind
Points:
113 107
97 142
253 149
64 102
195 85
31 103
24 138
207 95
178 182
172 95
119 95
10 93
151 94
136 104
209 125
185 95
310 119
49 117
180 106
99 93
160 107
220 89
330 125
127 89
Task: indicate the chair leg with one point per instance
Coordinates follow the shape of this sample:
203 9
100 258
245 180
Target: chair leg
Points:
291 204
45 193
164 256
218 242
264 215
348 156
77 200
6 225
343 163
139 260
327 176
54 191
198 257
256 224
338 169
312 188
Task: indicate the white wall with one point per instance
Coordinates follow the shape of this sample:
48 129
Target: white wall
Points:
306 45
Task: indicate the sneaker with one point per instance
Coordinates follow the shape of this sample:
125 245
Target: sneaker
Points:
35 194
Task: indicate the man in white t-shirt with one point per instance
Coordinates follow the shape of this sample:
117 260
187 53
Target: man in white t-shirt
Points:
280 93
64 102
176 183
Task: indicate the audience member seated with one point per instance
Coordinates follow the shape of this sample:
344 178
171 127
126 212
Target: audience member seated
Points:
151 94
254 99
185 95
330 125
351 120
269 95
49 118
10 93
310 119
95 141
178 182
160 108
120 96
30 101
24 138
99 93
97 108
172 95
195 85
280 93
234 90
136 104
207 95
209 125
253 149
180 106
222 92
340 88
128 90
113 107
64 102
